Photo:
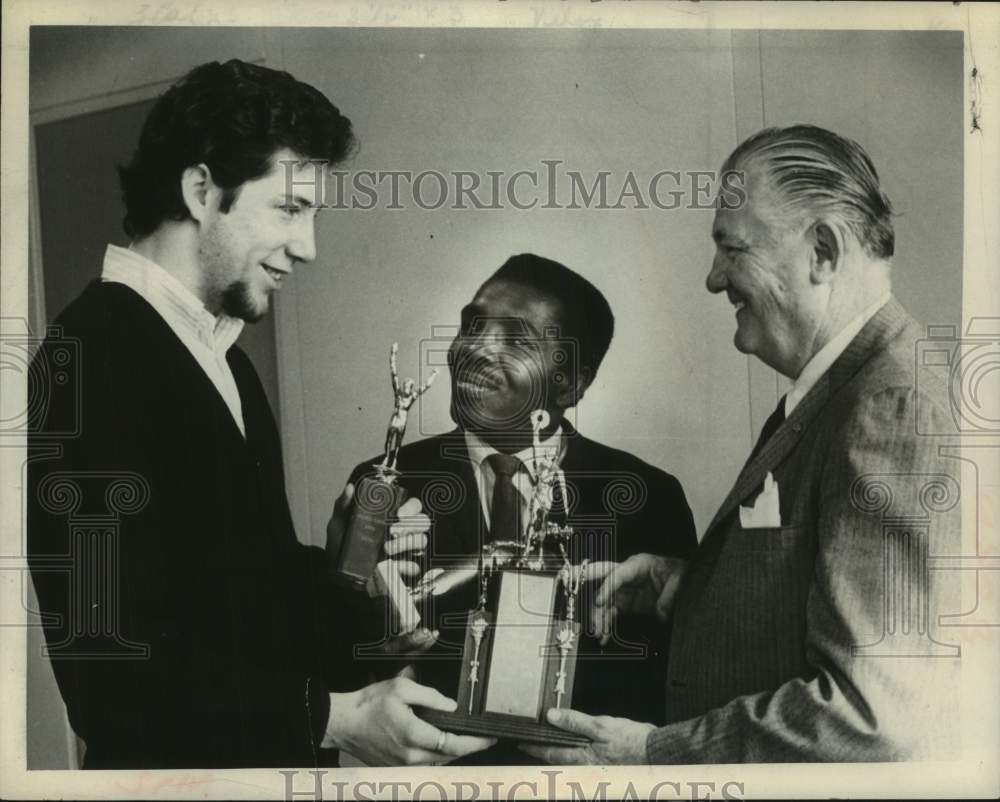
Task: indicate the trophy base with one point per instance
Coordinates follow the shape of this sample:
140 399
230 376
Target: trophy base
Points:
494 725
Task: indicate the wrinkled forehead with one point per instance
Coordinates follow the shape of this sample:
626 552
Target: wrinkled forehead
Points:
756 216
502 298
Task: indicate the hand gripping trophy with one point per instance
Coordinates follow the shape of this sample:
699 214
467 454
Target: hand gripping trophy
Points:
378 496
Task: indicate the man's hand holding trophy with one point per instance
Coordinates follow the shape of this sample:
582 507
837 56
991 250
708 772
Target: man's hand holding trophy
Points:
375 528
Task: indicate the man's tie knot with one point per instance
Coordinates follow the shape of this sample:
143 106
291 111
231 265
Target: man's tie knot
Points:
504 464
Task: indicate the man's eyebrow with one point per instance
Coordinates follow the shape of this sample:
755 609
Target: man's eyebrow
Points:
299 200
526 324
722 236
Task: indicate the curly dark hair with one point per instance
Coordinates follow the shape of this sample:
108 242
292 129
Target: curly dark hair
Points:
232 117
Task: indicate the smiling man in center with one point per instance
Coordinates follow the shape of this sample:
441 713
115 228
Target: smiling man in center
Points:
533 337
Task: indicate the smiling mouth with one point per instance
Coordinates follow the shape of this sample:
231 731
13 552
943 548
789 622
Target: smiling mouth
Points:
465 384
275 274
478 388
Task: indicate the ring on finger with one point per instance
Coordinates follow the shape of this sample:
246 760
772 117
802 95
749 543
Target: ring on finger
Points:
441 742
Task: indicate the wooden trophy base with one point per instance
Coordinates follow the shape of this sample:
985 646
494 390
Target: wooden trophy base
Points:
497 725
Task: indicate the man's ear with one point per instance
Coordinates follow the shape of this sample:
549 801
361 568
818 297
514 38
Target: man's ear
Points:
827 255
196 189
572 394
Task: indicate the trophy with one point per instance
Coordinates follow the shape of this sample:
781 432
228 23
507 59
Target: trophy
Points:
377 497
521 640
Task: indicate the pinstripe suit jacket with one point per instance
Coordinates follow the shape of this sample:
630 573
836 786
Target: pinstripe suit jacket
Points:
810 641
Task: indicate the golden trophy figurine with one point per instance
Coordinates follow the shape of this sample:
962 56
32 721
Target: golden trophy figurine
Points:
378 496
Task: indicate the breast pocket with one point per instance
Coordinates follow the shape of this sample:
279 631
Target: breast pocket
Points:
769 538
768 562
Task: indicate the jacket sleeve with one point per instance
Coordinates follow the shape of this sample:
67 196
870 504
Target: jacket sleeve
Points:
678 537
869 697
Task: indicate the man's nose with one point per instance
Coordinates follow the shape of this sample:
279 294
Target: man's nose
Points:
302 246
717 281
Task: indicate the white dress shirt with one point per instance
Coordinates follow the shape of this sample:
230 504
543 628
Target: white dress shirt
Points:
827 355
523 480
206 336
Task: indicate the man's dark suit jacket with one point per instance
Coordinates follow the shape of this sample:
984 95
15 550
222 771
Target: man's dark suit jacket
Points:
618 506
181 611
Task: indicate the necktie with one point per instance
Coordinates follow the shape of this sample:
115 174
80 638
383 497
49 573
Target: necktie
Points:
770 427
505 511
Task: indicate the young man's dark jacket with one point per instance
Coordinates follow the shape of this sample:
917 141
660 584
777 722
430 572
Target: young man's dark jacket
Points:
183 617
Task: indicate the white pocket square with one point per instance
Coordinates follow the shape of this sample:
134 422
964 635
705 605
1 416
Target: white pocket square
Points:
765 512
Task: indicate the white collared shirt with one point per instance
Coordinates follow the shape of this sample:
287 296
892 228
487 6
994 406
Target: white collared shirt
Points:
206 336
827 355
523 480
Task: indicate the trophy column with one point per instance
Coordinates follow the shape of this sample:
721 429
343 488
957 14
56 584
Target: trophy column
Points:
376 501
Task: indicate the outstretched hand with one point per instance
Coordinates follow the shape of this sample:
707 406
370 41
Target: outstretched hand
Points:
643 584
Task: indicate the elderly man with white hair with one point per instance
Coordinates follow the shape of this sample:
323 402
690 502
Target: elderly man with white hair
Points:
803 629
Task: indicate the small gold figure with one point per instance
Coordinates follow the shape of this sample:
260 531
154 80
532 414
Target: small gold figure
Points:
565 644
571 577
478 630
404 396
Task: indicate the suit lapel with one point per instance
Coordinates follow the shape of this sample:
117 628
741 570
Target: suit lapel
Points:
777 448
883 326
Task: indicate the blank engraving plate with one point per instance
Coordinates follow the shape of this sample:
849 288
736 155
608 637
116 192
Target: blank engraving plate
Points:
517 665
